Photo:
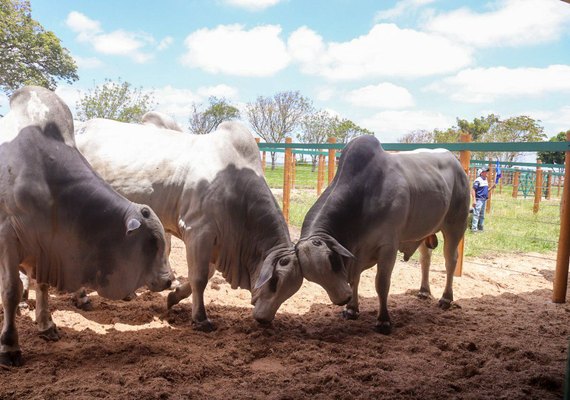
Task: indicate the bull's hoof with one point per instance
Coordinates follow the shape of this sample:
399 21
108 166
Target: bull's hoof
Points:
204 326
130 297
350 314
383 327
50 334
11 358
444 304
83 302
171 300
423 295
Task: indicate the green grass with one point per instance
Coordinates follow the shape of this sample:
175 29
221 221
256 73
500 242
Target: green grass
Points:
510 226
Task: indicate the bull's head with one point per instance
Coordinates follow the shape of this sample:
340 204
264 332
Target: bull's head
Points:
279 279
322 260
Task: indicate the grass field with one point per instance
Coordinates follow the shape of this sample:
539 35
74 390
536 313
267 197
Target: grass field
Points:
510 226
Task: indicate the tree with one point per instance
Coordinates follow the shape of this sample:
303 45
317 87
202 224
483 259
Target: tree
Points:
344 130
274 118
479 128
417 136
219 110
30 55
554 157
516 130
316 128
115 100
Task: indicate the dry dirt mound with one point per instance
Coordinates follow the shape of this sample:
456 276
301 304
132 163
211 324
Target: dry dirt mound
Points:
503 339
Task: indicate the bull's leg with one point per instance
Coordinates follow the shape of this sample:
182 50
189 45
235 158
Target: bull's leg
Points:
46 326
425 262
351 311
11 288
451 241
81 300
26 290
386 262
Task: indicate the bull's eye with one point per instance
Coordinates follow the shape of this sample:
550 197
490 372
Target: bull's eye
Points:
316 242
145 212
284 261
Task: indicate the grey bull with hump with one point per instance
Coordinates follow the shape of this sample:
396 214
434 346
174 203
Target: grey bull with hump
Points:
61 223
377 204
209 191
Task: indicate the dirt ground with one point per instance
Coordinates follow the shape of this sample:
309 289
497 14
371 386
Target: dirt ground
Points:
503 339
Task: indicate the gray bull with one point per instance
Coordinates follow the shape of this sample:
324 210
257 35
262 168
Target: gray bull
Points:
61 223
376 204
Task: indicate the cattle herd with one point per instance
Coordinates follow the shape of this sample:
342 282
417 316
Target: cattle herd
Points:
96 207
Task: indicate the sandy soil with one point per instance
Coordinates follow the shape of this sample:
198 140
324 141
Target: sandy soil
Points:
504 338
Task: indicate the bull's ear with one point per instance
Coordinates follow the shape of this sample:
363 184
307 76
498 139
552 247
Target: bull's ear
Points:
338 248
133 225
266 273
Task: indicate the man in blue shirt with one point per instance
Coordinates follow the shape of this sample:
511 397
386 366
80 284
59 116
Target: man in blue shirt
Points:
480 194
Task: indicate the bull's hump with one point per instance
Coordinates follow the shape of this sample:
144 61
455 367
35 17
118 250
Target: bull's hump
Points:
34 105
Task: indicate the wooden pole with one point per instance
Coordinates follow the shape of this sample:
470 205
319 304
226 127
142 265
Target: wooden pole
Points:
563 256
537 188
287 180
320 174
516 184
464 158
332 160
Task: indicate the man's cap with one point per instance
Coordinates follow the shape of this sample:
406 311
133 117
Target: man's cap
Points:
486 169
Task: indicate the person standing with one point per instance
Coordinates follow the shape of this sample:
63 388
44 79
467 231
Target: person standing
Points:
480 194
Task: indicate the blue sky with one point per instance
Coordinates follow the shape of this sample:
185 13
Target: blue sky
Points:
390 66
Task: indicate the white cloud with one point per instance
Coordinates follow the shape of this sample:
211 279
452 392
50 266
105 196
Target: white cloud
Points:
483 85
219 91
325 93
509 23
253 5
400 8
165 43
386 50
554 121
119 42
178 102
383 95
88 62
388 126
80 23
232 50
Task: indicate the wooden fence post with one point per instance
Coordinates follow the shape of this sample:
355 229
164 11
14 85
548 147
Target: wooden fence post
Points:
537 188
563 256
287 180
464 158
320 174
332 160
516 184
